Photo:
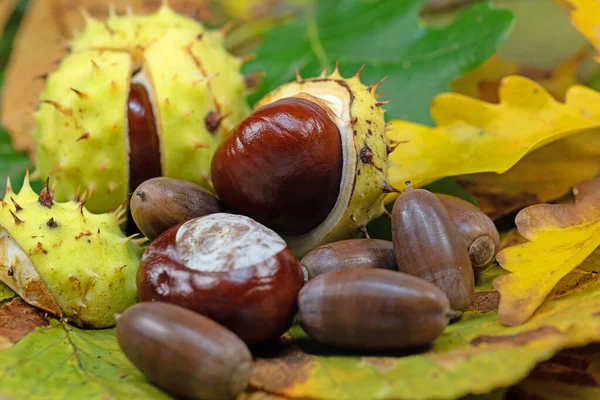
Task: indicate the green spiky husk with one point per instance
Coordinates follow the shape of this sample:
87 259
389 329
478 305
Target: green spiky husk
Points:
81 130
83 262
360 118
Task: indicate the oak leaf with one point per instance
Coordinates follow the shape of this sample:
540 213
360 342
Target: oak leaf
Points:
484 81
547 173
544 175
474 136
560 238
585 16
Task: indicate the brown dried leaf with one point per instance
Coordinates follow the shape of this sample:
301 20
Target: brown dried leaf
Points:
42 41
17 319
6 8
18 272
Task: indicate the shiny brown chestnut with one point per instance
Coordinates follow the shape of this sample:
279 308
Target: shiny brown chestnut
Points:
477 229
144 147
161 203
351 253
183 352
298 143
229 268
427 244
373 309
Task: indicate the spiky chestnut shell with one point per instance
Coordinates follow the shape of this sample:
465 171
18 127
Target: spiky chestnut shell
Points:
359 117
194 84
63 259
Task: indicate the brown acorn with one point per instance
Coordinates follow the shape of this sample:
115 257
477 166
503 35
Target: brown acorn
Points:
427 244
161 203
477 229
183 352
351 253
373 309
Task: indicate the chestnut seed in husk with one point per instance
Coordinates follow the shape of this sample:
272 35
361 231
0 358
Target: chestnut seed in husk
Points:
351 253
161 203
373 309
229 268
281 166
476 228
183 352
427 244
144 146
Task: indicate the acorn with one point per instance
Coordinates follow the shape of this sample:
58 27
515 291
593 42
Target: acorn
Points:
183 352
351 253
161 203
476 228
373 309
310 162
229 268
427 244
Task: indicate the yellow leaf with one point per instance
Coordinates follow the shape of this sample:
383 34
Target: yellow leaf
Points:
547 173
544 175
561 237
483 82
473 355
585 16
474 136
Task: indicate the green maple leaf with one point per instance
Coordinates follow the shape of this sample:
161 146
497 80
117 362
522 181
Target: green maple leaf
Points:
390 39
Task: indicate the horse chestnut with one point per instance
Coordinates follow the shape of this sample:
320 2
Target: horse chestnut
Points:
288 155
310 162
229 268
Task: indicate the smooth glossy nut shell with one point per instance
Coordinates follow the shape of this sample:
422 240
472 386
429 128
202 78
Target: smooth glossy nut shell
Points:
161 203
257 302
183 352
372 309
427 244
477 229
281 166
144 146
352 253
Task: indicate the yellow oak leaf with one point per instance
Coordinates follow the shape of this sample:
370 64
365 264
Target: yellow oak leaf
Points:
483 82
474 136
585 16
560 238
544 175
547 173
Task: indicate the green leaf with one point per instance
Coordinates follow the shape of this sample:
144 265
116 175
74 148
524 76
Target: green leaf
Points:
474 355
389 38
64 362
6 293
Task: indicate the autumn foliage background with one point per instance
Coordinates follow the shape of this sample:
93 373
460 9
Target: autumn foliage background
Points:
495 102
